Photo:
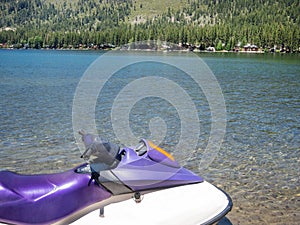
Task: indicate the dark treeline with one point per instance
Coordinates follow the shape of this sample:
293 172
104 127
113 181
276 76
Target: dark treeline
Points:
96 23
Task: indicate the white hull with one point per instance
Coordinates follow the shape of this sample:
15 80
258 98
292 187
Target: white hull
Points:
200 203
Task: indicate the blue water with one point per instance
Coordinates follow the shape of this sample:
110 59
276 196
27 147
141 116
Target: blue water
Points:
258 163
37 89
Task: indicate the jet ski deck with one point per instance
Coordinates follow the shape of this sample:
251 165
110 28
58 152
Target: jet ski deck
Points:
193 204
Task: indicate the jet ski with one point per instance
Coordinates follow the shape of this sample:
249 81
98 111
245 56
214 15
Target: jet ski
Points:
130 185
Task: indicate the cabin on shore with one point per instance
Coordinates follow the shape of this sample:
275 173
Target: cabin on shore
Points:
250 48
211 49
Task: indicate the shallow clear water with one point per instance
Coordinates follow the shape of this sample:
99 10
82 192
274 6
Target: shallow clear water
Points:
260 156
36 90
258 163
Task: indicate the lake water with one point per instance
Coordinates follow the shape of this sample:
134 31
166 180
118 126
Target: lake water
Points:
257 164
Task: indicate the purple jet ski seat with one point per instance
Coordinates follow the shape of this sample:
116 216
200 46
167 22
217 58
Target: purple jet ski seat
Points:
47 198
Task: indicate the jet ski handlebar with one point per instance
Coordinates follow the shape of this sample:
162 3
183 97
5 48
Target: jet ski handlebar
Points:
141 148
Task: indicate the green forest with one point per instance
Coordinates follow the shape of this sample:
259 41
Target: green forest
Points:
223 24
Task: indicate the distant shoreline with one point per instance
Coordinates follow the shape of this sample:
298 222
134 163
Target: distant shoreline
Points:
153 50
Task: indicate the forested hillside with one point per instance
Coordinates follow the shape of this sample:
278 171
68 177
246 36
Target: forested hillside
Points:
96 23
